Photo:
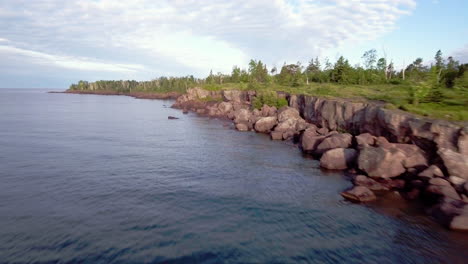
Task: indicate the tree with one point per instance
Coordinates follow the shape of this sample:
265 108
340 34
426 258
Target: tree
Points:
439 61
370 58
235 75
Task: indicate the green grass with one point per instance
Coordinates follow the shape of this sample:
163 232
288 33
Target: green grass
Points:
453 106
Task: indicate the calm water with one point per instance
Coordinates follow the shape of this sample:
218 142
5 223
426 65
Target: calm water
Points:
109 179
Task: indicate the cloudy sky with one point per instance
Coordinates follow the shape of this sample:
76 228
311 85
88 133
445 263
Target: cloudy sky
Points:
52 43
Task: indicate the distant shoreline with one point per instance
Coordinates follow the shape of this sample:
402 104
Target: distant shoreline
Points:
138 95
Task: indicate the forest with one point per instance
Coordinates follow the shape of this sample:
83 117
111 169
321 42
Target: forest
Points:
438 89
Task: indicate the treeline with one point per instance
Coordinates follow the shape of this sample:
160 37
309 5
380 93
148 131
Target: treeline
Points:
374 70
162 84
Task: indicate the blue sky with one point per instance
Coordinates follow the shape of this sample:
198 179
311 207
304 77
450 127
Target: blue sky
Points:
52 43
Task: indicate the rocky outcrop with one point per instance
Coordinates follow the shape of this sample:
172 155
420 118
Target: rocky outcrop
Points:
386 149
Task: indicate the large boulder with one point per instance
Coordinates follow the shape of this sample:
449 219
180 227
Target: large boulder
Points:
381 162
265 124
359 194
452 214
268 110
225 107
456 163
338 159
415 157
334 141
310 140
365 140
286 113
232 96
289 124
241 116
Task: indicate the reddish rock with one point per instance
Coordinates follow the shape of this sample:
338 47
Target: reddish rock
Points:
310 140
359 194
443 191
268 110
322 131
364 140
276 135
333 142
265 124
456 163
380 162
431 172
362 180
286 113
439 182
456 180
338 159
289 134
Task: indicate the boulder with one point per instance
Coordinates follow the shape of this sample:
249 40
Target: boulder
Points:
463 141
456 180
362 180
439 182
381 162
286 113
442 191
276 135
359 194
338 159
302 125
364 140
265 124
268 110
288 134
289 124
431 172
310 140
333 142
241 116
452 214
456 163
322 131
415 157
225 107
233 96
242 127
257 112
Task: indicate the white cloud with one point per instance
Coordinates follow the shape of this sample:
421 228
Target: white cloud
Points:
77 63
461 54
193 35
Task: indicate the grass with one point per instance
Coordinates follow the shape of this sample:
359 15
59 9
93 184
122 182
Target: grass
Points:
453 106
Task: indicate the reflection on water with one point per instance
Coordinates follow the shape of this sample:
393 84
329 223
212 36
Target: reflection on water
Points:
102 179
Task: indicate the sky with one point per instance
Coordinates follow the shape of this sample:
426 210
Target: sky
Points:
53 43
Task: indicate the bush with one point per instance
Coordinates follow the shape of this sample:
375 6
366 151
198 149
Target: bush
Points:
270 99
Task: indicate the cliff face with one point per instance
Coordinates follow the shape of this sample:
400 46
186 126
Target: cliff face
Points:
397 126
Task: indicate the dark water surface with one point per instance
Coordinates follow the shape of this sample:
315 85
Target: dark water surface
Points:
109 179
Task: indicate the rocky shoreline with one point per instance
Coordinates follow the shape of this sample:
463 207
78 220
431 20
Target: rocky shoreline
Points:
384 150
139 95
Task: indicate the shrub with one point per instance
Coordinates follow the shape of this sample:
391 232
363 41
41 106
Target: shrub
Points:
268 98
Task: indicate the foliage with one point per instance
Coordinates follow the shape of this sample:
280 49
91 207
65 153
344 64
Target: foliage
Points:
269 98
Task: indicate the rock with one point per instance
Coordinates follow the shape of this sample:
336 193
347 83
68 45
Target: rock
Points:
242 127
200 111
301 125
456 163
322 131
242 116
338 159
380 162
268 110
413 194
431 172
415 157
310 140
463 141
452 214
257 112
359 194
373 185
233 96
440 191
276 135
456 180
172 117
439 182
364 140
289 124
286 113
185 111
334 141
225 107
288 134
382 142
466 187
265 124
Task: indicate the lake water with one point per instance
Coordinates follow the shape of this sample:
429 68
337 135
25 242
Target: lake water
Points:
109 179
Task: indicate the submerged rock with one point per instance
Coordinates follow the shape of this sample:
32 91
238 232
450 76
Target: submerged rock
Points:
172 117
362 180
359 194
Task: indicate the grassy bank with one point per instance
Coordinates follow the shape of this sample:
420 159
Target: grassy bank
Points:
453 104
